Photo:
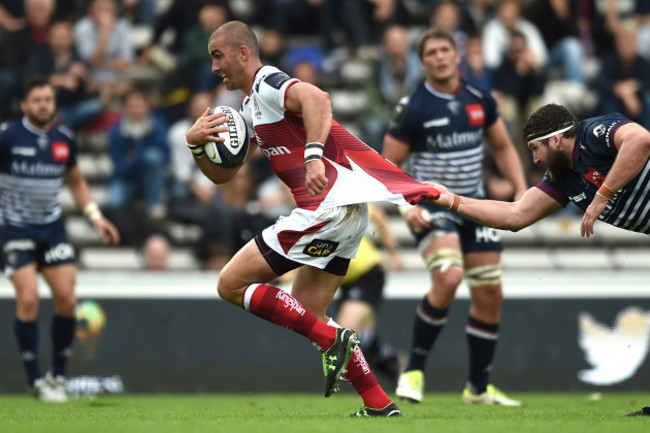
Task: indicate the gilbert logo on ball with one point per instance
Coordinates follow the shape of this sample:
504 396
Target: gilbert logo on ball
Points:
232 152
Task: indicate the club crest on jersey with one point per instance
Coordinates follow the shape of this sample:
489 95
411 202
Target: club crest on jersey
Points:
454 106
320 248
595 177
60 151
475 114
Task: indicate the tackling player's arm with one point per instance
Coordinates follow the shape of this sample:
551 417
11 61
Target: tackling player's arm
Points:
204 130
81 193
533 206
316 109
633 144
506 157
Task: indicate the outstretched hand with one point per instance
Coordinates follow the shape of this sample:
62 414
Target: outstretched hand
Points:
445 199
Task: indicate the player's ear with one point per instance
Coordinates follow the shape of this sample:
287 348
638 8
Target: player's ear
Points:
243 52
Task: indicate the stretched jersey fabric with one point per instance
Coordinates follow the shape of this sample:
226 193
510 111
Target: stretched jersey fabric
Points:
32 164
593 157
445 134
356 173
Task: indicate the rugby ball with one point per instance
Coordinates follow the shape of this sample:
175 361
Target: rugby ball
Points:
230 153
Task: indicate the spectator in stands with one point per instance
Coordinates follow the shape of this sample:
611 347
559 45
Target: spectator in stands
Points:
306 71
77 100
237 225
176 20
518 84
623 80
472 67
11 16
143 12
16 48
367 20
448 16
557 21
103 41
497 31
195 63
273 49
396 74
155 253
294 17
478 13
140 153
601 20
643 18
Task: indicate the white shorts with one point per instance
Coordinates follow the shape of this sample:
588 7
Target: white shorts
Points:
318 238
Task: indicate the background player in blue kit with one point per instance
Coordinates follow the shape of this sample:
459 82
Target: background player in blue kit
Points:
36 157
600 164
440 128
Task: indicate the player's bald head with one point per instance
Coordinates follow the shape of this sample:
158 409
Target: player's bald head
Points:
235 34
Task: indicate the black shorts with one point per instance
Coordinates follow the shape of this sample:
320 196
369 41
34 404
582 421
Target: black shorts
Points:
367 288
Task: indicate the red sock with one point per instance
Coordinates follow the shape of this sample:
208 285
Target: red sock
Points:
365 382
279 307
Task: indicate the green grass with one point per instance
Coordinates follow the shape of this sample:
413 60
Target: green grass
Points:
299 413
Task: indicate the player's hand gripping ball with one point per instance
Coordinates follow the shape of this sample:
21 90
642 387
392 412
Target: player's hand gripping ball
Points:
230 153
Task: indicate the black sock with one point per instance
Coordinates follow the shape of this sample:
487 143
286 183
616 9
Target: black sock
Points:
428 323
482 340
27 337
63 329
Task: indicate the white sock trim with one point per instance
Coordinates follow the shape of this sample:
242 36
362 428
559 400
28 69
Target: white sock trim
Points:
331 322
248 294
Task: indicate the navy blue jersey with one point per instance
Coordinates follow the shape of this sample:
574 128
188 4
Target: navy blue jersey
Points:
445 134
593 157
32 164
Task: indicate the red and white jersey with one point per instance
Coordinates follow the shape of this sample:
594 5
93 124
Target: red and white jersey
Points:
356 173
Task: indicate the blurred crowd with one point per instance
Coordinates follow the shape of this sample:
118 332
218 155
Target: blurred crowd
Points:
136 74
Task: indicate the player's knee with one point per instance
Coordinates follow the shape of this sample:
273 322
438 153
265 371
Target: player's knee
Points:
227 289
450 279
27 307
65 305
490 296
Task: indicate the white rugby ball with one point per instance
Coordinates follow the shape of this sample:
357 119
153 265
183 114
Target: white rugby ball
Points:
230 153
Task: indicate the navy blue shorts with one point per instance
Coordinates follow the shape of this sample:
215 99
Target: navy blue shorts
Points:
474 237
46 244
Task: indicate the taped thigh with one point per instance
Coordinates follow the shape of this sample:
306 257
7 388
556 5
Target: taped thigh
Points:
483 275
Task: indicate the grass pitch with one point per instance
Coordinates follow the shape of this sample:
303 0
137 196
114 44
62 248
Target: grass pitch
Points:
300 413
